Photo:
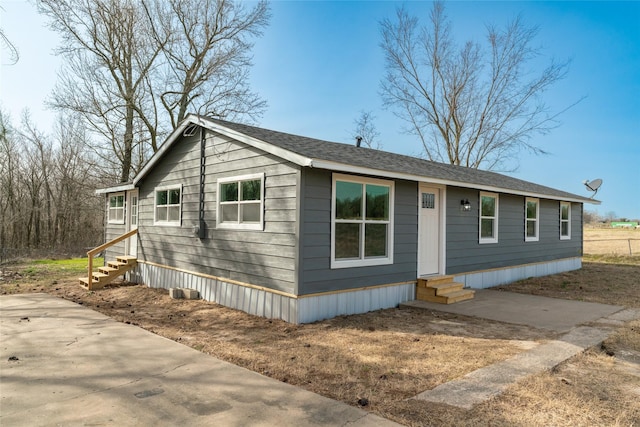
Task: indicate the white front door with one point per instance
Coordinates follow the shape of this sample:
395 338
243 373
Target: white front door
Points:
429 233
132 222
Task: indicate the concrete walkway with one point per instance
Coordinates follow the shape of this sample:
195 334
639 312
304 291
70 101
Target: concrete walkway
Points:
539 312
553 314
481 385
78 367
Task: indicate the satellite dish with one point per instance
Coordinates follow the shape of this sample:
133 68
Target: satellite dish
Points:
593 185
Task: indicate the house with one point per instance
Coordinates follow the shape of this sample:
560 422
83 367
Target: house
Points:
290 227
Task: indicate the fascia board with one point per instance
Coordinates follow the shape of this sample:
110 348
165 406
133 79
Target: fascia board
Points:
341 167
115 189
255 143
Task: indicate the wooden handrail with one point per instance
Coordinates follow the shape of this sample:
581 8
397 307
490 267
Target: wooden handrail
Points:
101 248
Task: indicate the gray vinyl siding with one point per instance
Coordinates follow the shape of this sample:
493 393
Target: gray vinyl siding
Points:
258 257
465 253
316 274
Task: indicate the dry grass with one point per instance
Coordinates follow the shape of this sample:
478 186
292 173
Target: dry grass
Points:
615 241
388 356
591 389
607 283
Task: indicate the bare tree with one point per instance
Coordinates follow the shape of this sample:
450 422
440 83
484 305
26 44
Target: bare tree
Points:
109 58
5 43
78 210
131 66
47 200
365 128
207 56
467 106
9 171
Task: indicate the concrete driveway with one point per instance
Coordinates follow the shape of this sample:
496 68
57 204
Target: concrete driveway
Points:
64 364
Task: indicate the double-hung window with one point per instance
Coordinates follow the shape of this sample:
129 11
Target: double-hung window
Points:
565 220
116 208
488 218
362 222
241 202
168 206
532 212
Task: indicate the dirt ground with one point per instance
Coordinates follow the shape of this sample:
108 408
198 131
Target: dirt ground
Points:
379 360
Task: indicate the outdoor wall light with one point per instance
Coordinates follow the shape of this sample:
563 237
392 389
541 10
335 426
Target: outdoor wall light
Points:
465 206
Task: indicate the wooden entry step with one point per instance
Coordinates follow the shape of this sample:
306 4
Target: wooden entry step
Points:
442 289
106 274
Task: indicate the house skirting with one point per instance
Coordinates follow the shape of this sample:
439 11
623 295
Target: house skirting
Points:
482 279
271 303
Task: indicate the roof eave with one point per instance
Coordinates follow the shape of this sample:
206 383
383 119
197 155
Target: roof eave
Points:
341 167
116 188
193 119
256 143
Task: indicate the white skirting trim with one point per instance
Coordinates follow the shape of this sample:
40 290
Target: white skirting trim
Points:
261 302
320 306
495 277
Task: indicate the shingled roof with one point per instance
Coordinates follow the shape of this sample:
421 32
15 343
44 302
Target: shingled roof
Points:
348 158
383 161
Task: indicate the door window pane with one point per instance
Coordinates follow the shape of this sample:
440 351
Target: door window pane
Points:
428 201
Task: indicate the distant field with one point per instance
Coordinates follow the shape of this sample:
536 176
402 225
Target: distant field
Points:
606 241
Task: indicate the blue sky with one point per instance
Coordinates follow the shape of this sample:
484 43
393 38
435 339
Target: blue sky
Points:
319 64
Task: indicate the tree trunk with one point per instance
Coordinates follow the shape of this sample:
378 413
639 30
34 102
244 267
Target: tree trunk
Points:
128 145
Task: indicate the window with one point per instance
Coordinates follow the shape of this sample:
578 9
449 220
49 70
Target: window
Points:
488 218
532 211
168 206
428 201
362 222
116 209
133 209
240 202
565 220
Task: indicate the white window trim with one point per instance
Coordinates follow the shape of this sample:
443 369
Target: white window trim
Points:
350 263
239 225
109 208
494 239
177 223
568 221
536 219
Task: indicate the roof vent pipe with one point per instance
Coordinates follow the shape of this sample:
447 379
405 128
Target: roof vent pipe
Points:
358 141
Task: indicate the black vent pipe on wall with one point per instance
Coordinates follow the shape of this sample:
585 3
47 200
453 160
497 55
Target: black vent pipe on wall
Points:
202 225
